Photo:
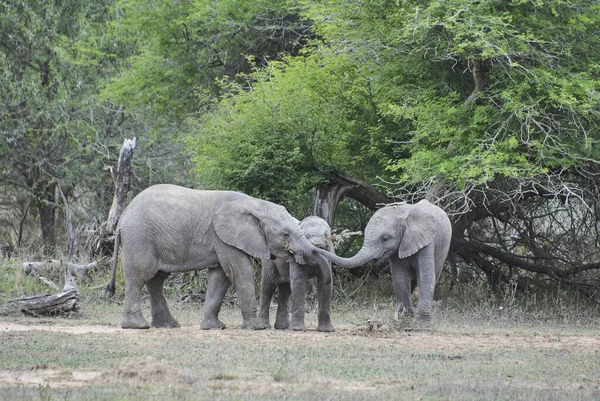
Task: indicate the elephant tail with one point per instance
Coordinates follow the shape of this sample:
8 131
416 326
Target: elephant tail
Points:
110 288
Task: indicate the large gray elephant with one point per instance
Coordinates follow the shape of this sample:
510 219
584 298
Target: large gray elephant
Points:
289 276
415 239
168 229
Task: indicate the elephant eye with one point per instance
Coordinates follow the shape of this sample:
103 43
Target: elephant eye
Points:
385 238
286 235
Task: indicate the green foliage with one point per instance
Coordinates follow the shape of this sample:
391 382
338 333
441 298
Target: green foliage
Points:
178 49
49 69
391 93
538 60
301 118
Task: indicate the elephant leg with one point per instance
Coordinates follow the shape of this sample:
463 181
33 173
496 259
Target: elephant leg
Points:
247 299
324 298
282 320
401 278
426 281
268 286
240 265
161 316
132 311
298 281
217 286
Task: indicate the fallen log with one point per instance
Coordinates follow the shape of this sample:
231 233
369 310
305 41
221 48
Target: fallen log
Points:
65 301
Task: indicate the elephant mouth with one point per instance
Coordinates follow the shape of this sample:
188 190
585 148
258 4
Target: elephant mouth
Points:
319 242
381 261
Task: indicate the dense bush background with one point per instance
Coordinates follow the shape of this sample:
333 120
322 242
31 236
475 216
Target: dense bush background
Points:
490 109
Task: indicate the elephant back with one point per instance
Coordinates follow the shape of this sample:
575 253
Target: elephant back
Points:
171 219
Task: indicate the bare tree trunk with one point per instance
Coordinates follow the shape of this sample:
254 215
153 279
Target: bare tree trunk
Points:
479 84
327 197
122 183
47 210
339 185
122 178
22 224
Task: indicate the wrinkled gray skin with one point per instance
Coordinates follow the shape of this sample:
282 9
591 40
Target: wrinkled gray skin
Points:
415 239
168 229
292 277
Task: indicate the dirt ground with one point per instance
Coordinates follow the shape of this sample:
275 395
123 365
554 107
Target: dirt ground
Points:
149 370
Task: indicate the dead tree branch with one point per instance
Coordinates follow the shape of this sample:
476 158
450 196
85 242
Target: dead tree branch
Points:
122 179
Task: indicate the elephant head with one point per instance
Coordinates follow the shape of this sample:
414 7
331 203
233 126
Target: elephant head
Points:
262 229
415 239
396 229
318 232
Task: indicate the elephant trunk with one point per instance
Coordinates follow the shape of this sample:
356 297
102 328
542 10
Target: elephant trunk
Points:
306 251
362 257
325 266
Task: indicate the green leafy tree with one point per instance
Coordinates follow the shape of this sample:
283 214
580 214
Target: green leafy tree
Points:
303 117
176 50
489 89
53 132
490 107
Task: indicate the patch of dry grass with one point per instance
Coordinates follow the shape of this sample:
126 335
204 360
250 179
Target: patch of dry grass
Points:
506 346
458 360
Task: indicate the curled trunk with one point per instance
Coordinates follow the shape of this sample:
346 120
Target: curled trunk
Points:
362 257
306 251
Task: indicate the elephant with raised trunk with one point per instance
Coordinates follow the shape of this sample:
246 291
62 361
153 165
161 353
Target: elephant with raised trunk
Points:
289 276
168 229
415 239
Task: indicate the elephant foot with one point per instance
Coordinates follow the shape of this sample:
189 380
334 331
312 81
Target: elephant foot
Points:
326 327
425 322
137 322
297 326
282 324
254 324
265 321
424 319
165 323
208 324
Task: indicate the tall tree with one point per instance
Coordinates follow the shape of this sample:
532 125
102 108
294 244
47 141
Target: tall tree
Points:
178 50
48 114
489 108
303 119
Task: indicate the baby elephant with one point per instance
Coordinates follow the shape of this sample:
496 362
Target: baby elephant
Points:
279 274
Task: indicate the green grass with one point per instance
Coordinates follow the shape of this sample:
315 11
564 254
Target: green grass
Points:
15 283
506 346
460 360
259 366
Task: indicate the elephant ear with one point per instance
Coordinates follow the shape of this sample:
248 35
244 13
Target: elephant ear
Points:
420 228
237 224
